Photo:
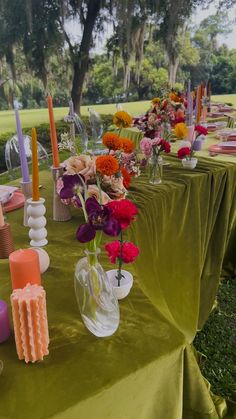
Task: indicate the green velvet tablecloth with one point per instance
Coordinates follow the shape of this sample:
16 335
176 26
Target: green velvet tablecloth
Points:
148 369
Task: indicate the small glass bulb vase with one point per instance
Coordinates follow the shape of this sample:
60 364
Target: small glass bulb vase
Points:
189 163
155 167
27 191
37 222
61 212
121 291
98 306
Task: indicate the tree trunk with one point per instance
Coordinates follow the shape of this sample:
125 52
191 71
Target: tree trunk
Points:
173 67
81 60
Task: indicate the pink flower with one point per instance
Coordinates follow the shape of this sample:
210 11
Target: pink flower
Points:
128 254
123 211
146 146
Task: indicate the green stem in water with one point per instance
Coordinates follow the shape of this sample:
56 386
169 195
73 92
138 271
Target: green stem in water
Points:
119 274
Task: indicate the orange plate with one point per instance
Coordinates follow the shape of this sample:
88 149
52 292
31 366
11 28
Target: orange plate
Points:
17 201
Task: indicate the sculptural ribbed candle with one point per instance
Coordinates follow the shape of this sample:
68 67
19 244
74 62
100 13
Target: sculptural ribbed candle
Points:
30 323
23 159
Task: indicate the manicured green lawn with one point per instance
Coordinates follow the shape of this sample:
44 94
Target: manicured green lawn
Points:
31 117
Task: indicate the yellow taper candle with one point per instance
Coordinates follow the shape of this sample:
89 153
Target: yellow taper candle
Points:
35 168
53 133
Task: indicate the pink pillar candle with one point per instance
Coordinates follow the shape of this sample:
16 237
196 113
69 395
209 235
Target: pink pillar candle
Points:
4 322
30 322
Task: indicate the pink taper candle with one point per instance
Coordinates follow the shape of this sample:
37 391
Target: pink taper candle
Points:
2 222
23 159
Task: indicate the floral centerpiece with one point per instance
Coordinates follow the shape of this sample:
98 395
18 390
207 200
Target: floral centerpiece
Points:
186 154
152 150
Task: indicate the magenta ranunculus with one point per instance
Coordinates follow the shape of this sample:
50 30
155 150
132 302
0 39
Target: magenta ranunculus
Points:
128 254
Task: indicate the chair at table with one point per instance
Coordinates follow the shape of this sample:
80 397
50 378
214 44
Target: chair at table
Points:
97 130
230 121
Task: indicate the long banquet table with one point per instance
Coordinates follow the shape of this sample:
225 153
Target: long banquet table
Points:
148 369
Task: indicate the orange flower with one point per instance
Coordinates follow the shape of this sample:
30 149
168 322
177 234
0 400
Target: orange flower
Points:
174 97
181 130
122 119
107 165
128 145
112 141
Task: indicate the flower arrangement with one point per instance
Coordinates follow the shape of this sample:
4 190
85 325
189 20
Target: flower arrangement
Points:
185 152
152 150
200 130
121 251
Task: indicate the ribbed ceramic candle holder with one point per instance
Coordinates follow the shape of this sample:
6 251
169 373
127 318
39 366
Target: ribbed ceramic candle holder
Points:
37 222
6 242
61 212
27 191
30 322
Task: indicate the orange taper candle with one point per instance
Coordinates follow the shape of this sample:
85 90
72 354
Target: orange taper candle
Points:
53 134
2 222
35 168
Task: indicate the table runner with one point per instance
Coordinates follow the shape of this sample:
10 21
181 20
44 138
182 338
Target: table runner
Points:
147 370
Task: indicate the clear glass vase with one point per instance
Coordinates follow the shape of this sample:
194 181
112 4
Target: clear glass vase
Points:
98 306
155 170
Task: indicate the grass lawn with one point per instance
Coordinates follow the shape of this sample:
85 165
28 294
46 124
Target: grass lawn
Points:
31 117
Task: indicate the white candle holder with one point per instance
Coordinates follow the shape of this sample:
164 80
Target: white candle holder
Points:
37 222
27 191
61 211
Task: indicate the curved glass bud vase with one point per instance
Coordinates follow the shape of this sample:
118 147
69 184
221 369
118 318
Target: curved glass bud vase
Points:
12 156
97 130
98 306
155 170
82 132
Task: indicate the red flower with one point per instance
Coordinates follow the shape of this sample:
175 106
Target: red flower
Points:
128 254
165 146
123 211
184 151
126 177
201 130
178 120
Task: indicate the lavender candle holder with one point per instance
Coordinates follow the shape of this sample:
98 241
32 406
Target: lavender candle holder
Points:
61 211
4 323
27 191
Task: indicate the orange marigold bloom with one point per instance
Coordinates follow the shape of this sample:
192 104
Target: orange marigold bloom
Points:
181 130
122 119
174 97
107 165
112 141
128 145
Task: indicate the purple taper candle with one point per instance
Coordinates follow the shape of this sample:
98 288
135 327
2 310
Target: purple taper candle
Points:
23 159
196 106
4 322
71 105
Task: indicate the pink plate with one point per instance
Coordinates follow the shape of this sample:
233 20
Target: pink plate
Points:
17 201
215 148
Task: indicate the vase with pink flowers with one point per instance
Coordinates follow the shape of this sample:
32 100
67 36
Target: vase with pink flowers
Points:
121 251
152 150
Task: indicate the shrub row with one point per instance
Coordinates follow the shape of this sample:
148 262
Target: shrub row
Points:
43 134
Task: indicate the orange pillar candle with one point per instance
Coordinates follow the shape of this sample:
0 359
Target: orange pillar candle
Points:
2 222
24 268
30 323
35 168
53 133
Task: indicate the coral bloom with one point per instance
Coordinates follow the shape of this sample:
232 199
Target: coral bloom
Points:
183 152
122 119
107 165
123 211
181 130
126 177
112 141
128 254
128 145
